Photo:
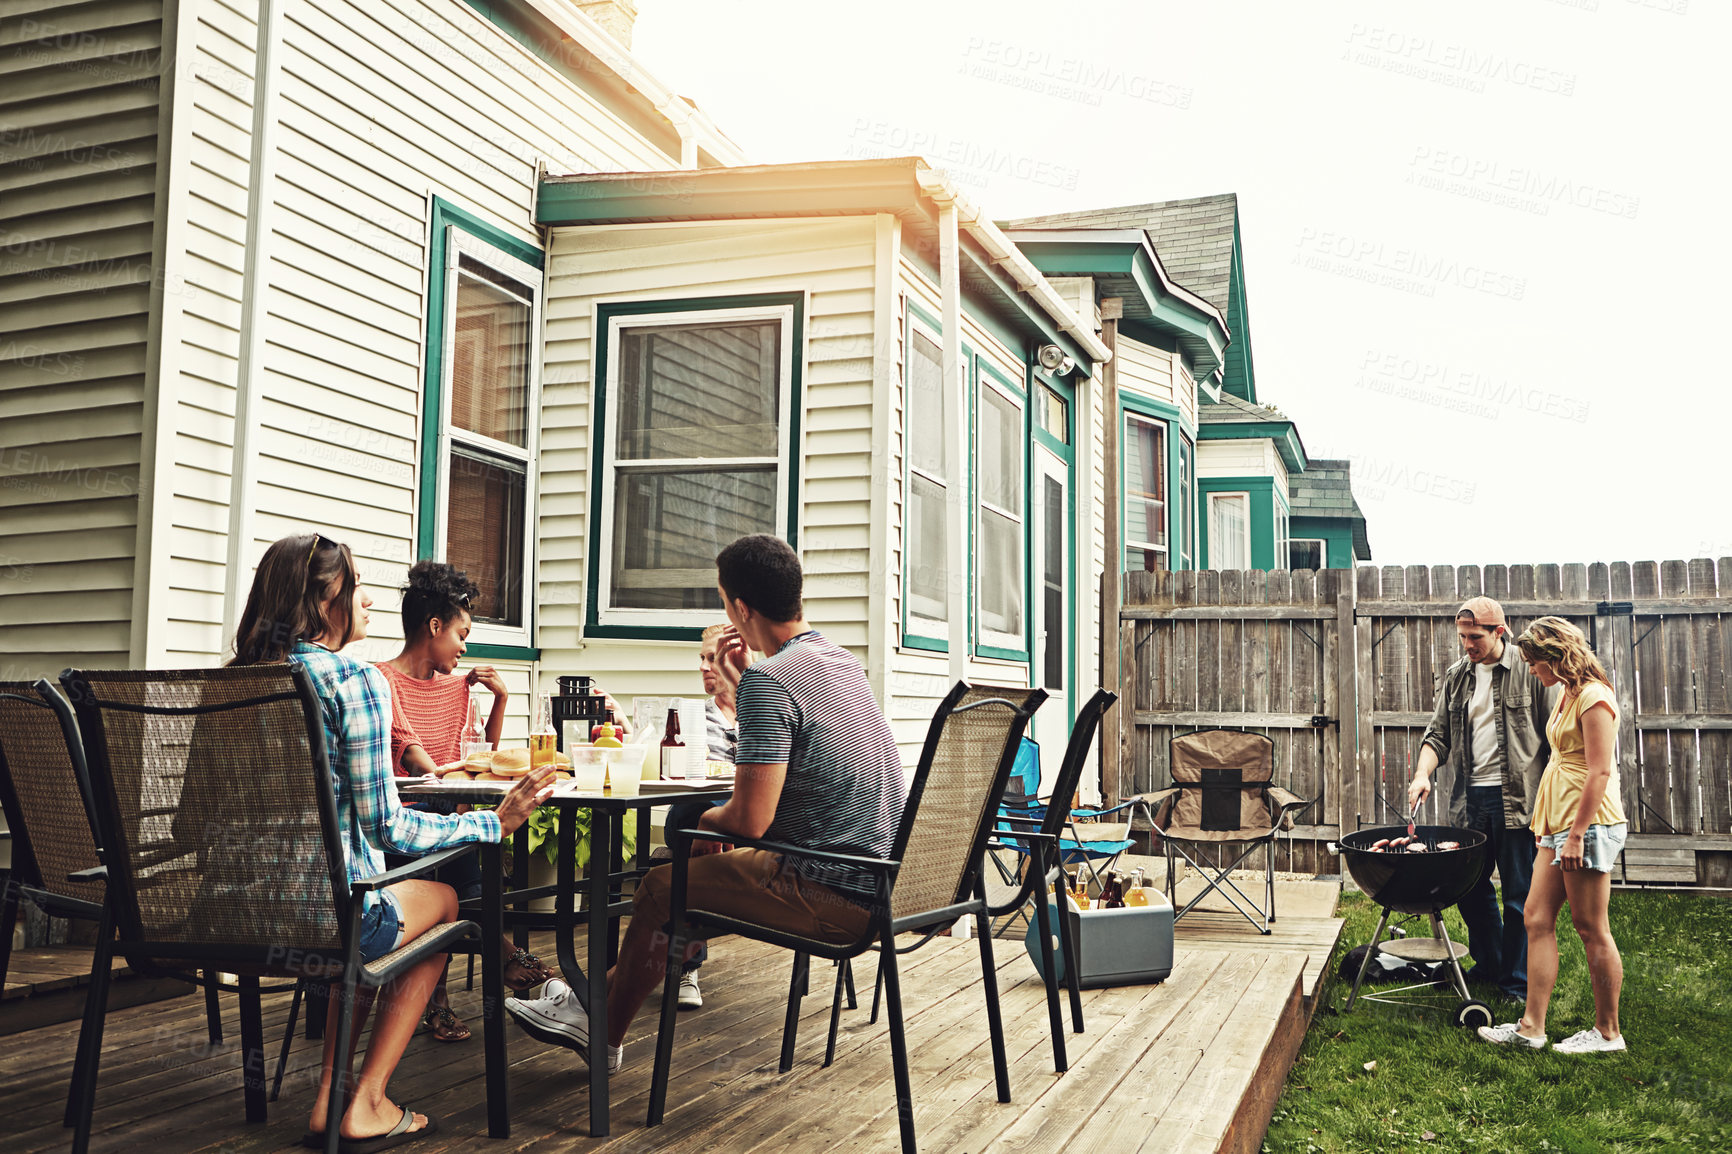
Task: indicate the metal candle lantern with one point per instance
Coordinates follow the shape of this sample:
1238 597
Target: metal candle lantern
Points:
577 701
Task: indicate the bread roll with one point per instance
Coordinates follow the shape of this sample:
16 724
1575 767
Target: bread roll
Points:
479 761
458 775
489 776
450 767
511 762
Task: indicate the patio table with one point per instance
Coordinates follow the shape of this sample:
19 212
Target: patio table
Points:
603 906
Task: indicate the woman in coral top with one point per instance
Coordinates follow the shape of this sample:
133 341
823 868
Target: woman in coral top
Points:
429 709
1579 830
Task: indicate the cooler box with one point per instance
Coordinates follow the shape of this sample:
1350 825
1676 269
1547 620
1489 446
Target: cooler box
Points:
1124 947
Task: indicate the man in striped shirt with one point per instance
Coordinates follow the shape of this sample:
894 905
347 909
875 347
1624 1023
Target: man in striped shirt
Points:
817 768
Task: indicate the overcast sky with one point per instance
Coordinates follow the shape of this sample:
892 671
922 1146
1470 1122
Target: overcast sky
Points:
1485 248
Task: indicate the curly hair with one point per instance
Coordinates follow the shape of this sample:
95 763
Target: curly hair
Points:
435 589
1555 640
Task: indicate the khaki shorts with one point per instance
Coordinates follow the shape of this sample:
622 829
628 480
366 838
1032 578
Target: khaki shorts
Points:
753 886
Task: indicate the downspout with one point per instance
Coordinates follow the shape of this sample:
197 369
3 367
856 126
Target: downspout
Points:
1112 549
679 114
249 375
956 471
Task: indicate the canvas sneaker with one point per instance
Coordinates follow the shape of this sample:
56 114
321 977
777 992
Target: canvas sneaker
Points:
559 1019
1590 1041
1509 1034
691 998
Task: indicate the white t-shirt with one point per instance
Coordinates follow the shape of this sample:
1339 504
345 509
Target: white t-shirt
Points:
1482 723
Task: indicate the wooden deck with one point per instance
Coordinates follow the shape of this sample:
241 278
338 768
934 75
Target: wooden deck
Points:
1191 1064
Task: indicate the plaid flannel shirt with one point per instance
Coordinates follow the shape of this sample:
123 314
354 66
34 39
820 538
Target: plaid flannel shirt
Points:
355 700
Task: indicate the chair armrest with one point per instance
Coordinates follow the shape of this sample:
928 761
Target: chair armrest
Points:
1083 811
93 874
1015 836
412 869
1287 803
1011 817
784 848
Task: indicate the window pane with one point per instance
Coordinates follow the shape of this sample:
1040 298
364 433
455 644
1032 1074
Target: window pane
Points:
484 533
1303 554
1000 574
1144 560
1000 452
1145 484
1227 525
925 407
1054 414
1053 582
490 355
1187 502
668 528
699 391
926 557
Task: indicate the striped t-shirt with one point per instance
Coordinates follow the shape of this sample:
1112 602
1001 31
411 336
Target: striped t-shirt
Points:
811 707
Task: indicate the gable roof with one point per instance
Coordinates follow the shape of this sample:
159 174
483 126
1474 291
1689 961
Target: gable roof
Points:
1197 238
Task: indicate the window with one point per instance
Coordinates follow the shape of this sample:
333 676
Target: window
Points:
1307 553
1229 530
926 419
1145 493
1187 503
1053 413
694 441
1282 536
489 394
998 454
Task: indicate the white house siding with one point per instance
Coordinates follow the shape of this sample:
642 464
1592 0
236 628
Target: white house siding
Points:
831 261
918 679
1146 371
380 106
1248 457
1187 390
79 107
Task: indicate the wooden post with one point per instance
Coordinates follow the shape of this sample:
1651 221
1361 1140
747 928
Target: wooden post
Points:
1340 770
1115 782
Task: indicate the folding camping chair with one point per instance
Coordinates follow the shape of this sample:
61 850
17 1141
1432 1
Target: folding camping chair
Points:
1085 839
1223 795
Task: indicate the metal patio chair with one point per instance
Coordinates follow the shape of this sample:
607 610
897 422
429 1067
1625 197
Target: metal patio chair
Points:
1223 795
931 878
1038 836
218 821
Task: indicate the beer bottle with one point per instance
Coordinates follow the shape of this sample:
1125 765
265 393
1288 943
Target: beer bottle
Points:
673 750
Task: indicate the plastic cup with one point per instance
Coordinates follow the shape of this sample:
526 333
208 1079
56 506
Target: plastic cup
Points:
625 770
588 768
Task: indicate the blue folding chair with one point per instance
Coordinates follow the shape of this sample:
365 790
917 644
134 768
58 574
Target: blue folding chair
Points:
1092 839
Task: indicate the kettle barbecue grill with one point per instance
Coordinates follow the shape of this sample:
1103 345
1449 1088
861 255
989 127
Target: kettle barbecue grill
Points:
1419 884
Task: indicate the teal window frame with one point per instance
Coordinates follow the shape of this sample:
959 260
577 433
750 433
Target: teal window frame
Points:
1179 431
601 457
1187 502
444 216
1064 450
956 475
1265 500
982 370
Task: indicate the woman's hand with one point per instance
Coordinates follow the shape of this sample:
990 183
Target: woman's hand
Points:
1571 852
489 676
523 798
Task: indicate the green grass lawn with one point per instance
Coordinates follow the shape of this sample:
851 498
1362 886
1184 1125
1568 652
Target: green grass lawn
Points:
1435 1087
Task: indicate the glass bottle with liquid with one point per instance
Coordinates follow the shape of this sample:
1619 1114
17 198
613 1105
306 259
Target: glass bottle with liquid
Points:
1137 894
474 736
1113 893
542 739
673 750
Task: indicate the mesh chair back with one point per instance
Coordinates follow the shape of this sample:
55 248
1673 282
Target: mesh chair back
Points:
45 792
1076 756
215 804
1234 768
957 789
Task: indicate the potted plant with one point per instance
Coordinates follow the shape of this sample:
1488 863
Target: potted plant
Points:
543 832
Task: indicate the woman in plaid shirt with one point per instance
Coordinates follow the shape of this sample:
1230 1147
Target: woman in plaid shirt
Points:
306 605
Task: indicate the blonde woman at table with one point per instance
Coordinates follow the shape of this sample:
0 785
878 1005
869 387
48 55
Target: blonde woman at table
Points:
306 605
1579 830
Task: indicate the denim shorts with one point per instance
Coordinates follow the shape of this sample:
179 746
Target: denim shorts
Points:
381 926
1601 845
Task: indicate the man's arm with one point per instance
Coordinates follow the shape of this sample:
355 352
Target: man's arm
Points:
748 814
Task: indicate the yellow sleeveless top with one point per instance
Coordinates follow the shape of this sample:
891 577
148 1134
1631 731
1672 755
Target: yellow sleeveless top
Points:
1560 792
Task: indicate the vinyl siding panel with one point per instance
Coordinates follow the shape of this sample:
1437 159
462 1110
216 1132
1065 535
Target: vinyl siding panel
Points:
78 157
830 260
1248 457
379 106
1146 371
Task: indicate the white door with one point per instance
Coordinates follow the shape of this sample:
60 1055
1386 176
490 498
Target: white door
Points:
1054 615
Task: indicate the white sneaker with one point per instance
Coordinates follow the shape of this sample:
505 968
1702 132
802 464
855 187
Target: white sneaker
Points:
559 1019
691 998
1590 1041
1509 1034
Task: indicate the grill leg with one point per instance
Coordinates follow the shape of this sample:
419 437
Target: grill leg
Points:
1442 935
1376 940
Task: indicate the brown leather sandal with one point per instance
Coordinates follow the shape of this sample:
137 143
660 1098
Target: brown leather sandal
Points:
447 1026
534 969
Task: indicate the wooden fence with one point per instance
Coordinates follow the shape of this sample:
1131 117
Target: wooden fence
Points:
1341 669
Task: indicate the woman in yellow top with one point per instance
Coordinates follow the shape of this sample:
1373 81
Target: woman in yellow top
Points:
1579 826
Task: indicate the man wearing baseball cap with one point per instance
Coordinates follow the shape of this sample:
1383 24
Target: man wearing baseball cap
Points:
1489 732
